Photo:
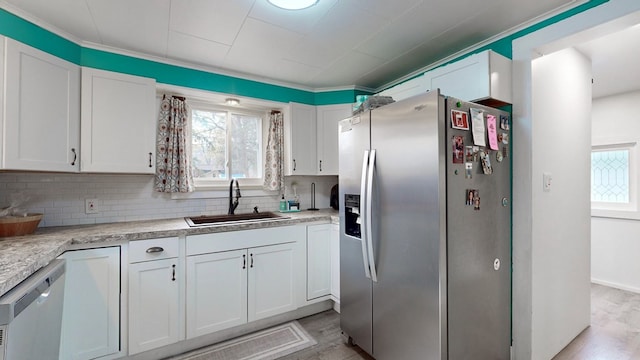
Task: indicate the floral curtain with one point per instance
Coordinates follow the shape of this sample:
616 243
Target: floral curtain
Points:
274 164
173 165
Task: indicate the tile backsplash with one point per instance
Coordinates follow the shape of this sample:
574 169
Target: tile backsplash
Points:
61 197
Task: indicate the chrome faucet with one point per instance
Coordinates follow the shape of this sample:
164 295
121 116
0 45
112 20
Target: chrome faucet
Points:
233 204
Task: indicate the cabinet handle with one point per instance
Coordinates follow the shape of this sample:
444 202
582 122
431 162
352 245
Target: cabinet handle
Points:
173 272
251 261
294 164
75 157
155 249
150 155
320 165
244 261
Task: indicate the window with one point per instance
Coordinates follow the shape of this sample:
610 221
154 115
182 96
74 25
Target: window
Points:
613 177
226 144
610 176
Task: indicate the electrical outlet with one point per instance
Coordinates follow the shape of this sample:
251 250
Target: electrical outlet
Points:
91 206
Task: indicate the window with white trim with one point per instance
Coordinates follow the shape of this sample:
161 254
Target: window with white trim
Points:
226 144
613 176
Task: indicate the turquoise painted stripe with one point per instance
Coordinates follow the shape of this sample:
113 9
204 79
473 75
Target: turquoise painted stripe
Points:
28 33
33 35
335 97
197 79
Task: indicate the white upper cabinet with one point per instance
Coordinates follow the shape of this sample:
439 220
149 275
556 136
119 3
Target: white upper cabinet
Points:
311 145
328 117
300 131
409 88
484 77
118 122
42 111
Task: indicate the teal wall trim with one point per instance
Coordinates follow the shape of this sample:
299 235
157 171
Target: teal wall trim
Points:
28 33
335 97
22 30
196 79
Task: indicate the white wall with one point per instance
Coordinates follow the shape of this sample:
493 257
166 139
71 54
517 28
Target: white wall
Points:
61 197
614 241
529 325
561 114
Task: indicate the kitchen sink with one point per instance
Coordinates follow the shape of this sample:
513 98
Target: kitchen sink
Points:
231 219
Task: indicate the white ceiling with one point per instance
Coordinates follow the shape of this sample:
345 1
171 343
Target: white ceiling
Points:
367 43
614 58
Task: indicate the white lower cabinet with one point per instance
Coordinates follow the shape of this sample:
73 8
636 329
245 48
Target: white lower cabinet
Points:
335 262
271 281
154 296
318 261
230 288
242 276
323 262
216 291
91 311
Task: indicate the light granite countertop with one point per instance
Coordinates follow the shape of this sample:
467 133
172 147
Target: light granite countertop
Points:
23 255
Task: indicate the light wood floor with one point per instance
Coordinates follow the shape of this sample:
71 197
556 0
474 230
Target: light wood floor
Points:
614 333
325 329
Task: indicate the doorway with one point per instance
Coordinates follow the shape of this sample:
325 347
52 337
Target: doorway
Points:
552 284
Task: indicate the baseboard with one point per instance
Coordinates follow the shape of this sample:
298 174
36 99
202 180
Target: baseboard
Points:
616 285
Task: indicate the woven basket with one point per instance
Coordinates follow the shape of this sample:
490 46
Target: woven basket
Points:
19 225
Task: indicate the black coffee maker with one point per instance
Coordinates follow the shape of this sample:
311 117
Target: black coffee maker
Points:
333 200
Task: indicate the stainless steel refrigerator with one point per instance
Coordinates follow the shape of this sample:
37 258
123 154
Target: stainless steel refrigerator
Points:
425 219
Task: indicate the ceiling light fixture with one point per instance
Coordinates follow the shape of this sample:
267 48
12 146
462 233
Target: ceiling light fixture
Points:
232 101
293 4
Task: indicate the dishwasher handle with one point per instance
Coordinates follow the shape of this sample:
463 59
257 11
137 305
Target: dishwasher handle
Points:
30 290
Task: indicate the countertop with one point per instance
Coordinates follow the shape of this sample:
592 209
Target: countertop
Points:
21 256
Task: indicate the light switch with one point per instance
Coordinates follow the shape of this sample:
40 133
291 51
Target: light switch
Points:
546 181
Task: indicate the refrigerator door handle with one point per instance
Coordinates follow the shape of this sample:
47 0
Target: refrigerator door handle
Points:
363 216
369 206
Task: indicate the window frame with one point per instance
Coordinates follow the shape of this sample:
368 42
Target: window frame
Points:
245 183
613 209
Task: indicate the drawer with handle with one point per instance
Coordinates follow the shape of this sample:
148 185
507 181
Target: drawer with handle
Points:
153 249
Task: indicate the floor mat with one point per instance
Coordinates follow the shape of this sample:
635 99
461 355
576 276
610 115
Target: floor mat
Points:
266 344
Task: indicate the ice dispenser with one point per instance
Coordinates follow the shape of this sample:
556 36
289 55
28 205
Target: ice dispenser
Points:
352 215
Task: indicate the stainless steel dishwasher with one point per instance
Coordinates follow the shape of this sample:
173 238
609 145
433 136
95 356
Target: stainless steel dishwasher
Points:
31 315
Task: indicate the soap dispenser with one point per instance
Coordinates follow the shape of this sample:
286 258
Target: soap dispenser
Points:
283 204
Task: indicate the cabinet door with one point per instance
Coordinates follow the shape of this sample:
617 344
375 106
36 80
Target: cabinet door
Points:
91 311
327 129
271 281
118 122
302 140
335 262
216 291
154 303
318 261
42 114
